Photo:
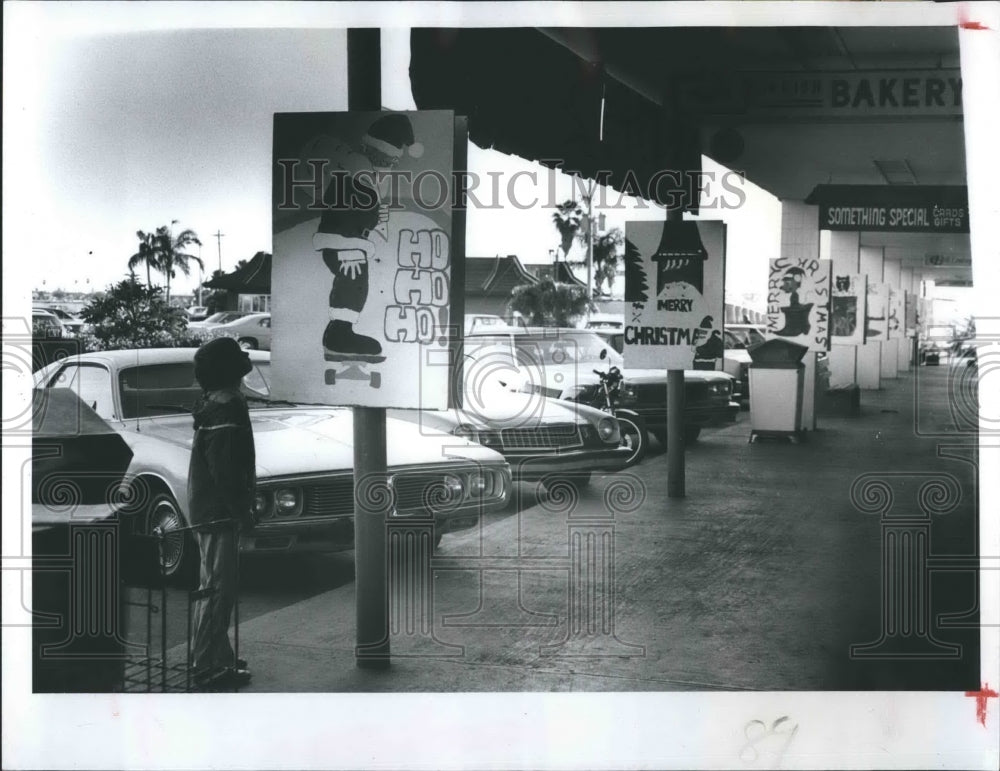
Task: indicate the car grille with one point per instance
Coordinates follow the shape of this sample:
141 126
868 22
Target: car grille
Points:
412 491
552 436
332 499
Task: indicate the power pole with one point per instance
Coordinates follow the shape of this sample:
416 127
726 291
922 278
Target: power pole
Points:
218 237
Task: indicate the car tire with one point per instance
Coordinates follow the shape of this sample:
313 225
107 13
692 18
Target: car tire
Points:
179 561
247 343
661 436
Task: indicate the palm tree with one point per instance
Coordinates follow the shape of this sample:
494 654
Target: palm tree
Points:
567 218
170 253
147 254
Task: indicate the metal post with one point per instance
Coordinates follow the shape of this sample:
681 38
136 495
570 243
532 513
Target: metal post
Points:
675 416
370 557
371 506
590 242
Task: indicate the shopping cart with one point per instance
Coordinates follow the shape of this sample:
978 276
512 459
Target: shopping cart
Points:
160 667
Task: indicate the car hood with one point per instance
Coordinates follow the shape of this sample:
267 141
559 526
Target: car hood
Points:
497 408
309 440
560 378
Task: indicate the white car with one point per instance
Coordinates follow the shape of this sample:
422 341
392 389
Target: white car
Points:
252 332
222 317
305 456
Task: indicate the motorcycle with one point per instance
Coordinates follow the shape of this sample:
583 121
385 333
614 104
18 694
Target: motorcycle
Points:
607 398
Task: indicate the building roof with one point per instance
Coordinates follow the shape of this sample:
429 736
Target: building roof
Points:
252 278
494 276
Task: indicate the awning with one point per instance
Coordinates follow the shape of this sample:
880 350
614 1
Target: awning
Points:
252 278
527 95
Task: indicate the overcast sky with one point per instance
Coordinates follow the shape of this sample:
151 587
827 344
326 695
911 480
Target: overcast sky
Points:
112 133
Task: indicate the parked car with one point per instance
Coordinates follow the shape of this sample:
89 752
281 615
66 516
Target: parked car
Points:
222 317
72 325
605 322
46 324
480 320
305 455
560 362
252 332
541 439
197 313
739 338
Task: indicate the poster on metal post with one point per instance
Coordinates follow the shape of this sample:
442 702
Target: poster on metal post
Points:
361 276
798 301
674 282
876 321
847 309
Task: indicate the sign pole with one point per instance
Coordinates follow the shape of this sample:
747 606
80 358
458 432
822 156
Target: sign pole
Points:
675 414
364 92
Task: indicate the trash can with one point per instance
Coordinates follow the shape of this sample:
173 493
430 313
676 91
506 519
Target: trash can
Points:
776 384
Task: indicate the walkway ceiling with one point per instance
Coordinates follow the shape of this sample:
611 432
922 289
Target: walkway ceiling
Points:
788 156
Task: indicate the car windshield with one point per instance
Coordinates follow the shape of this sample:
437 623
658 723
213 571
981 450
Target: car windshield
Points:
223 316
565 348
165 389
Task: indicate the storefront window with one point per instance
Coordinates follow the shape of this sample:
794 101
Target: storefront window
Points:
255 303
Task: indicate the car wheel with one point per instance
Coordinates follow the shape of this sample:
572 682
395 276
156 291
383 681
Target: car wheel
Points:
178 548
661 436
247 343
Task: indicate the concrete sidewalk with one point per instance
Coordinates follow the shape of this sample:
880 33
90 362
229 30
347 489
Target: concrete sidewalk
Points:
763 577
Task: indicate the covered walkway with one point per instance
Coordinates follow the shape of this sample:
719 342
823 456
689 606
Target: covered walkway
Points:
763 578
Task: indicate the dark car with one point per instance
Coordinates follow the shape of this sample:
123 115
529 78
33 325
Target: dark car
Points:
560 363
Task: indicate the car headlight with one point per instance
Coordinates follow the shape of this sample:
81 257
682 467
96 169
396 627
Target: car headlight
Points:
453 484
286 501
477 485
261 504
720 389
607 428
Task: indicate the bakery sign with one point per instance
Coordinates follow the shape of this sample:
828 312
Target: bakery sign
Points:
873 93
892 208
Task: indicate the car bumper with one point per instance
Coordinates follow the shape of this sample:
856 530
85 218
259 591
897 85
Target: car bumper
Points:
333 534
534 467
706 416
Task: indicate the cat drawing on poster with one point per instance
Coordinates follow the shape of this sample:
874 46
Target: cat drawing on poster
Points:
847 311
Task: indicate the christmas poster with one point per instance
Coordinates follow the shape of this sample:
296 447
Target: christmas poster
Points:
878 311
798 301
847 310
674 282
361 279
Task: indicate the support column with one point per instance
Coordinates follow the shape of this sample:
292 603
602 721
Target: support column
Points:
800 238
870 354
844 248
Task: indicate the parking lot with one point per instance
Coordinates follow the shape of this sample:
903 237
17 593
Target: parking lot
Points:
762 578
